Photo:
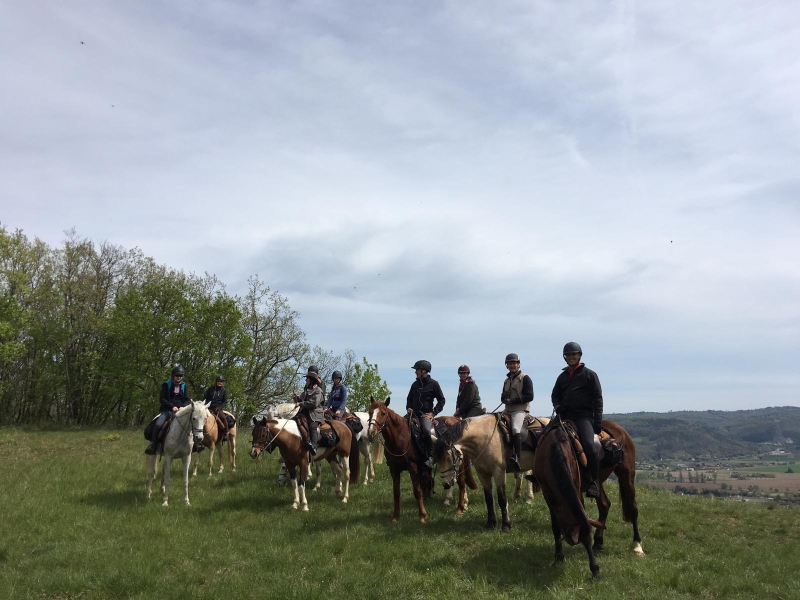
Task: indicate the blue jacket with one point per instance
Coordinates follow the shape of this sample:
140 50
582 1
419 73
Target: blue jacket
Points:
337 399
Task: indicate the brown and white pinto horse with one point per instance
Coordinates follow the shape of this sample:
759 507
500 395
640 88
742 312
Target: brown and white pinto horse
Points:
212 439
400 455
285 435
562 481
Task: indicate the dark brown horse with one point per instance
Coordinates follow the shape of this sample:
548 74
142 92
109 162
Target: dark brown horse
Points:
562 481
401 456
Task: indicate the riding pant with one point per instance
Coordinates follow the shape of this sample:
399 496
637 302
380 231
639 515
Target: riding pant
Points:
586 433
162 418
517 418
426 423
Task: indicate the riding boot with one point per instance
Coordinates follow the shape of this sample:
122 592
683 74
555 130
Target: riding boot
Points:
151 449
428 451
593 489
314 440
514 459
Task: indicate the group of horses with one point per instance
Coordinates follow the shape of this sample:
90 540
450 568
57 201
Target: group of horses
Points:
473 442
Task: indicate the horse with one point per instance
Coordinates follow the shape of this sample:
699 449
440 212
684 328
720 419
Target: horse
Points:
187 424
213 440
287 410
561 478
478 437
400 455
285 435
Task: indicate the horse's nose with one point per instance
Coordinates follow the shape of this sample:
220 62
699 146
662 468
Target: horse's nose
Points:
253 453
447 486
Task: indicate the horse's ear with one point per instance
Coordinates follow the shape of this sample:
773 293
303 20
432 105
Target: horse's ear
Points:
255 421
207 404
388 399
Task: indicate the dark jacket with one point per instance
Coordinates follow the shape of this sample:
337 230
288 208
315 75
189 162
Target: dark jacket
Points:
579 395
337 400
422 394
468 402
170 399
311 402
218 396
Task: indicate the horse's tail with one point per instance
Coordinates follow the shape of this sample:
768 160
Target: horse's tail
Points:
468 477
626 475
376 452
354 459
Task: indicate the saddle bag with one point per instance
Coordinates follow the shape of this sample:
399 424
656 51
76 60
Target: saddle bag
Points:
354 423
614 453
150 430
328 437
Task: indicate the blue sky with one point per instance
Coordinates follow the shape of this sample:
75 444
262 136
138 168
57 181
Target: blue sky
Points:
450 181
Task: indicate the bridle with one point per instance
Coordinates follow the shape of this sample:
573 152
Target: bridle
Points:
379 434
264 440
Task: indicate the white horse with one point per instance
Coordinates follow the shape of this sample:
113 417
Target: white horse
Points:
186 428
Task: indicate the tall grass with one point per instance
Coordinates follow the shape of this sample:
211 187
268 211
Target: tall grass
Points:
76 525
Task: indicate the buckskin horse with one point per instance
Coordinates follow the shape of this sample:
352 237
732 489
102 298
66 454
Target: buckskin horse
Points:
212 439
285 435
480 438
561 479
400 455
186 428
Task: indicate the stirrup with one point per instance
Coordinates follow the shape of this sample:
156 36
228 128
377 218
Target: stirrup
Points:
513 464
152 449
593 491
532 478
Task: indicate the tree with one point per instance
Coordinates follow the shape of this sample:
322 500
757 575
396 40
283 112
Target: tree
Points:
364 383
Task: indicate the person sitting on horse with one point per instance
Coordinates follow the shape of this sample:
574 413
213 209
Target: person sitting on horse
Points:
311 403
217 395
173 397
468 401
420 399
578 397
337 399
517 396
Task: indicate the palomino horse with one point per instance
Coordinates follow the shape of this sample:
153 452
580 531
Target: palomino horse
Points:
479 438
187 424
285 435
212 439
400 454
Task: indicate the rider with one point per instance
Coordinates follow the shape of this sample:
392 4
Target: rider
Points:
517 396
468 402
337 399
420 402
311 402
174 396
218 396
577 396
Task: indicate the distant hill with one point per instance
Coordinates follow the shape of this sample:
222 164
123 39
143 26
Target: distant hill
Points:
712 433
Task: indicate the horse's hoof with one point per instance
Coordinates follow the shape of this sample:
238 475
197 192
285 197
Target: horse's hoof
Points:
422 520
294 506
637 550
507 528
447 503
597 549
344 500
459 513
596 575
491 526
305 509
165 503
393 520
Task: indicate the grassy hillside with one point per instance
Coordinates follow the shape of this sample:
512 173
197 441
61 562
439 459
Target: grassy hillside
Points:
713 434
76 525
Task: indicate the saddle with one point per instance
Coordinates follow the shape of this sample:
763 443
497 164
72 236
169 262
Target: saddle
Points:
150 433
230 420
609 450
534 426
328 438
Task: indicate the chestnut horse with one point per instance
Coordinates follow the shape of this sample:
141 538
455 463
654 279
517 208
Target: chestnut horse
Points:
562 481
401 455
285 435
212 439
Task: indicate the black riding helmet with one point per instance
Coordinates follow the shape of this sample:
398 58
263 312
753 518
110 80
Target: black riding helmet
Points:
221 378
423 365
336 374
512 358
571 347
178 370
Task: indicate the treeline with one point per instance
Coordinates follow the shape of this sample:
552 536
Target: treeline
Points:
89 332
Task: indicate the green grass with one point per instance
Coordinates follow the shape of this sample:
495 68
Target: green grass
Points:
76 525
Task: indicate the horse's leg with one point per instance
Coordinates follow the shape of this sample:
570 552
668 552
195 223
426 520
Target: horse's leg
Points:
586 540
295 493
196 461
502 499
187 460
302 484
151 473
319 477
337 473
396 493
211 449
363 448
462 495
529 496
518 486
232 450
218 447
559 548
344 462
486 482
603 506
630 510
448 496
166 477
416 484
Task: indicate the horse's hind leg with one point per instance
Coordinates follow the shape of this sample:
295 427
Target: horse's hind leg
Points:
416 484
319 477
558 556
502 500
586 540
395 493
186 461
630 510
151 473
491 517
166 478
232 451
344 464
603 506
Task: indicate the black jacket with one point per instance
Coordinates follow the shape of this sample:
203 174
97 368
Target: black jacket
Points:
169 399
217 396
422 394
468 402
579 395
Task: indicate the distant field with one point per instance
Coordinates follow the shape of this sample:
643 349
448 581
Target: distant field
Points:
76 525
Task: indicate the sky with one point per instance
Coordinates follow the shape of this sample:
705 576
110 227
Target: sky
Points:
449 181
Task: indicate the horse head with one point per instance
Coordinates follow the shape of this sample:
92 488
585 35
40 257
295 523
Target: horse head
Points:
199 416
262 437
378 417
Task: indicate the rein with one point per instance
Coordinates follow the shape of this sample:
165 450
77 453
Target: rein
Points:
272 440
379 435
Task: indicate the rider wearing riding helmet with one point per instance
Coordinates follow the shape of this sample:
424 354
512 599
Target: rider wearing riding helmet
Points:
420 399
311 402
217 395
337 399
468 402
517 396
577 396
173 397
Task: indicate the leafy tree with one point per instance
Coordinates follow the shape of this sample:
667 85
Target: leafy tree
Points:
365 382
